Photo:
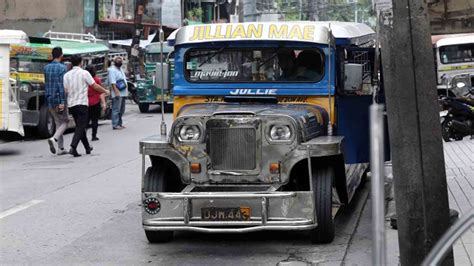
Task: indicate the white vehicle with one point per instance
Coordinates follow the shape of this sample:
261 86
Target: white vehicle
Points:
454 56
10 113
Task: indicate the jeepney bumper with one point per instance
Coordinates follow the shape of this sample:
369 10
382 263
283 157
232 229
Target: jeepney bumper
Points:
268 211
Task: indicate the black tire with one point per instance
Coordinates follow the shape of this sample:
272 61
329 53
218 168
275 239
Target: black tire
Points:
46 126
446 131
144 107
322 182
168 107
155 181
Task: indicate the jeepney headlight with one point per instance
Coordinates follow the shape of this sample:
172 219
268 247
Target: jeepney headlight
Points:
280 133
189 133
460 85
25 87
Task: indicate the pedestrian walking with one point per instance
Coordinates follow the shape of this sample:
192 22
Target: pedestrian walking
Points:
96 100
119 90
76 84
56 100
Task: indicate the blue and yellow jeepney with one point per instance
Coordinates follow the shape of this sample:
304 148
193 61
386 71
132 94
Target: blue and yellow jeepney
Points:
270 130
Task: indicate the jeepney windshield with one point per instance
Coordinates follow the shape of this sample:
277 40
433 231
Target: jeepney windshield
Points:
29 66
154 57
458 53
254 65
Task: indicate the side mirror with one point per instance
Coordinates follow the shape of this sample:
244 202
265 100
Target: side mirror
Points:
159 78
353 77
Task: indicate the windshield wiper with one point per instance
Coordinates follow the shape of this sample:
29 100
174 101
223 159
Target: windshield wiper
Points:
210 56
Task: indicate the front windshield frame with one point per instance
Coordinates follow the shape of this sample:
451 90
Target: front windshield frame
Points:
319 50
156 56
38 70
443 53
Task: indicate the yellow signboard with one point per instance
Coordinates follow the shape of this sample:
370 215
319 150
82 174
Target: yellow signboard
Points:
272 31
30 52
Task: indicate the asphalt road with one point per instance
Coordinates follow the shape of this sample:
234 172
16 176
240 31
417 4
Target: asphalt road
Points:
60 210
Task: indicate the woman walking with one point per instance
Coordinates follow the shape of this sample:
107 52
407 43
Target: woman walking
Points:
96 100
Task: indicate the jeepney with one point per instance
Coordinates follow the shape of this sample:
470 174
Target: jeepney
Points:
10 113
27 62
148 89
454 56
270 132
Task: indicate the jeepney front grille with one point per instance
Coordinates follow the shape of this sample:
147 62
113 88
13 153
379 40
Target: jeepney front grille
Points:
232 148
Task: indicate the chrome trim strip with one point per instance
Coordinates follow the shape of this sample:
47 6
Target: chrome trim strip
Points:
226 195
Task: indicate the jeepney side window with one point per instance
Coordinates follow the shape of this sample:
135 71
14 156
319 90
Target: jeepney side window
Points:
254 65
458 53
14 63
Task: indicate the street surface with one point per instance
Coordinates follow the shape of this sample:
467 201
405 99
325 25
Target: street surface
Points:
61 210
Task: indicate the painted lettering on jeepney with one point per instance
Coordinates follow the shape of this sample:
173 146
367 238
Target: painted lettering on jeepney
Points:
227 32
253 31
253 92
213 99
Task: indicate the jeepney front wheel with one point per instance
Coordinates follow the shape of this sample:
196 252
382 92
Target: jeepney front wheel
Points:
156 181
144 107
46 125
322 184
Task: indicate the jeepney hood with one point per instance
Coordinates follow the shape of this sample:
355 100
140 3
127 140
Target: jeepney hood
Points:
310 120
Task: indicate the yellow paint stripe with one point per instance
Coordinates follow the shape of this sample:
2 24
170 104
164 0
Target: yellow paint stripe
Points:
1 103
449 68
181 101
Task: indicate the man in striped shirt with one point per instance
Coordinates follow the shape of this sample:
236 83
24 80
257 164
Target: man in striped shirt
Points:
76 84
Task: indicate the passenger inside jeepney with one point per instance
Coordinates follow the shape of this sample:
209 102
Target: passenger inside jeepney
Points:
309 66
287 63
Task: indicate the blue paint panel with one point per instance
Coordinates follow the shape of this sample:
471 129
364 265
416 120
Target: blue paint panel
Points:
353 123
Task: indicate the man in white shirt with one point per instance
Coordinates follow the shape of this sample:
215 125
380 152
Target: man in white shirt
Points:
76 83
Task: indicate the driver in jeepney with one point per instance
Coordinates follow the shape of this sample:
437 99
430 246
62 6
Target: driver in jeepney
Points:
287 63
309 66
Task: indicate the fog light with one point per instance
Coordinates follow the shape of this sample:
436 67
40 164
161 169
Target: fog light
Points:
274 168
195 168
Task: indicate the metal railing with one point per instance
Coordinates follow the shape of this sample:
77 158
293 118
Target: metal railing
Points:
68 36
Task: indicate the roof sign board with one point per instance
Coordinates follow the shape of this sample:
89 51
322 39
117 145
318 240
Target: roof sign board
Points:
316 32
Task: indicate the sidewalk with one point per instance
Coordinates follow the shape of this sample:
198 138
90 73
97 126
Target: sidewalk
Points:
459 160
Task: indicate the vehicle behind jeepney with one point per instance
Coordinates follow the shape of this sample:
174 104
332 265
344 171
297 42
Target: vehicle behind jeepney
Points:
148 89
28 61
10 113
454 58
256 144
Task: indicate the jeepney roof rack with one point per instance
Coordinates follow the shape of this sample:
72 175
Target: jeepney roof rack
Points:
68 36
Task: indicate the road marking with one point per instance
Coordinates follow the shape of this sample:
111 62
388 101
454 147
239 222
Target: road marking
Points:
19 208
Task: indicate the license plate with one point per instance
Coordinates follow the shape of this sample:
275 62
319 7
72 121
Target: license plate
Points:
225 214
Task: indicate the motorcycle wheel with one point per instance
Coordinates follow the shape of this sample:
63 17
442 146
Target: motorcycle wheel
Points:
446 131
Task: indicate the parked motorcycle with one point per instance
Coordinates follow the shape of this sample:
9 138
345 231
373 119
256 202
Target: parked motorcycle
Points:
457 119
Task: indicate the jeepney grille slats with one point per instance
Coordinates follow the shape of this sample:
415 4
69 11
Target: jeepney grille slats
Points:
232 148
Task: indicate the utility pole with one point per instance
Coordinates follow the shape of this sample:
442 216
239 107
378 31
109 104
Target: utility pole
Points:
134 59
421 193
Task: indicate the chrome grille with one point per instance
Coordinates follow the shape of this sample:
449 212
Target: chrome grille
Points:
232 148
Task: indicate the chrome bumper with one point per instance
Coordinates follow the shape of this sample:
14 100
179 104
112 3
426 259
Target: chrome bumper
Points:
270 211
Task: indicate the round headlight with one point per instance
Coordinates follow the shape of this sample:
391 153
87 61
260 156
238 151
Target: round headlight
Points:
460 85
280 132
24 87
189 133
